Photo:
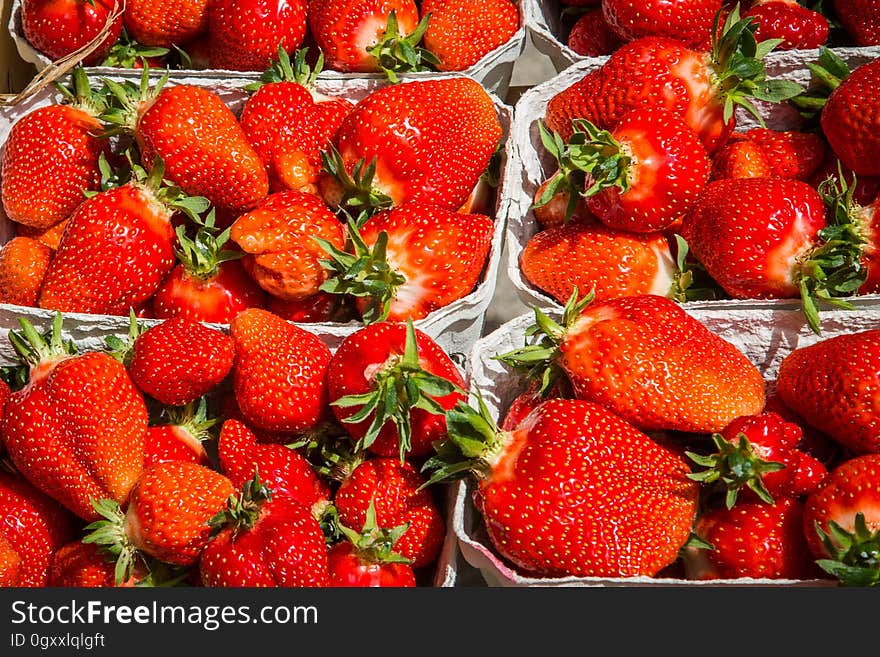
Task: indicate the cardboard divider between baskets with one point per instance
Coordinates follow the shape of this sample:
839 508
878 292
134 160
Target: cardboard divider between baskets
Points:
765 335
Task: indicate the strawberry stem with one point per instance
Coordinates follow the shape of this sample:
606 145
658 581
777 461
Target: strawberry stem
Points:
110 535
375 544
855 556
202 255
358 194
283 70
397 53
193 418
34 349
126 52
243 511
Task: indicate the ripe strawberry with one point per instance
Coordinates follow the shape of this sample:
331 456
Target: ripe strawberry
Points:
285 471
762 153
864 191
574 490
524 403
756 539
167 517
10 564
554 207
278 236
246 34
591 36
390 384
409 261
461 33
264 540
860 19
647 360
320 307
431 140
209 283
279 374
58 28
758 454
289 123
166 24
842 523
5 393
394 489
740 158
181 438
797 26
179 360
51 155
830 384
78 564
812 442
847 120
76 430
367 558
32 526
117 247
23 264
662 72
688 21
204 149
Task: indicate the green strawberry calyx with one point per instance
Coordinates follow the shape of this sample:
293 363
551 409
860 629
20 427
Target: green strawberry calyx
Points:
374 544
400 53
243 511
285 70
41 352
111 536
855 555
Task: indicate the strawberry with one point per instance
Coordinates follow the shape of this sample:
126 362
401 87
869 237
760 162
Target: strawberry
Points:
812 442
830 385
662 72
181 438
209 283
51 156
559 206
10 564
390 385
367 559
279 373
78 564
246 34
320 307
23 264
842 522
461 33
688 21
167 517
525 402
278 236
284 470
196 135
797 26
573 490
410 261
740 158
5 392
762 153
395 490
758 454
641 177
76 430
50 237
860 19
264 540
645 359
431 140
591 36
289 123
117 247
32 527
865 190
756 539
58 28
847 120
166 24
179 360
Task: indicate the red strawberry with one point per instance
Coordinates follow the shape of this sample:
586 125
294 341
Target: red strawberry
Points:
756 539
740 158
167 24
5 393
10 564
574 490
461 33
179 360
181 438
432 140
557 206
32 526
410 261
279 373
526 402
76 430
831 385
688 21
282 469
278 236
393 488
860 19
848 120
246 34
591 36
50 237
51 155
791 154
390 385
812 442
797 26
167 517
58 28
23 265
320 307
80 565
647 360
662 72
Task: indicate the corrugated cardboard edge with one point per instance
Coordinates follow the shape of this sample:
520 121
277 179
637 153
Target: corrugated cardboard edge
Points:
543 24
455 327
764 335
535 165
493 71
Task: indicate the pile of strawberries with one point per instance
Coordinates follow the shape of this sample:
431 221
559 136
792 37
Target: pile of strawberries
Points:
656 193
596 28
361 36
156 197
183 455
